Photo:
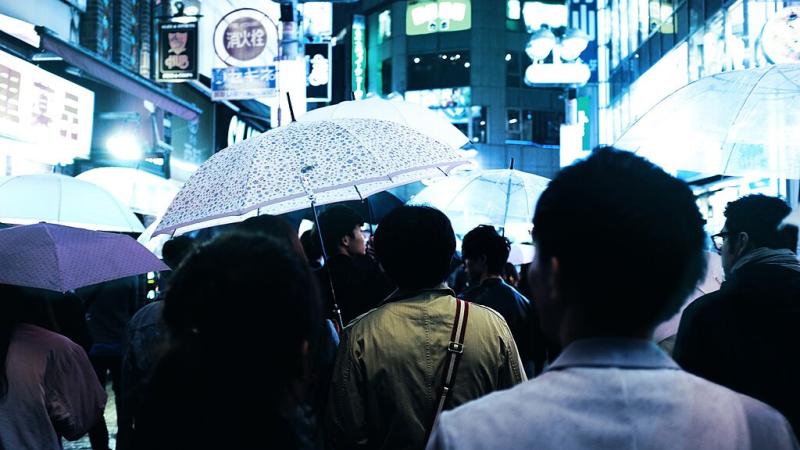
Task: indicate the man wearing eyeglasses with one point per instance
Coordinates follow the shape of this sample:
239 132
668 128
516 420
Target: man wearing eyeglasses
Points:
745 336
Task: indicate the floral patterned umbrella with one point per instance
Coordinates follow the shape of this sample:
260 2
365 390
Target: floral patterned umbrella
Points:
289 168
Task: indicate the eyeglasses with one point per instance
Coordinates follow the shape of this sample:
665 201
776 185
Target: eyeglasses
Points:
719 239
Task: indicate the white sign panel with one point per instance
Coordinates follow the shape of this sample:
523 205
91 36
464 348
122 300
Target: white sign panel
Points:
51 114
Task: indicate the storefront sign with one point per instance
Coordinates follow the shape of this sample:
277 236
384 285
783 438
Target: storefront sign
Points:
318 70
583 16
48 113
780 38
246 37
359 58
432 16
234 83
177 56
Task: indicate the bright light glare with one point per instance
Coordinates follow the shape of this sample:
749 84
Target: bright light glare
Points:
124 146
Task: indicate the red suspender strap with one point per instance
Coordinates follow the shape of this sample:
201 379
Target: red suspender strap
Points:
455 349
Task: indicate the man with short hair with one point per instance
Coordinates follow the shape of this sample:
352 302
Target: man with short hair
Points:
395 362
619 246
745 335
485 254
358 284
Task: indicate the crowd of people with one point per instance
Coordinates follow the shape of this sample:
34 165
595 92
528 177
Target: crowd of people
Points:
332 340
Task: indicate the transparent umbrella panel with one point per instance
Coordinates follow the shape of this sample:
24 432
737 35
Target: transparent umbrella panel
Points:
503 198
744 123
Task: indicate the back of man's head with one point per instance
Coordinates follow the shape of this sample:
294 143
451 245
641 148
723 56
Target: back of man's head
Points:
414 245
484 241
627 236
337 222
175 249
760 217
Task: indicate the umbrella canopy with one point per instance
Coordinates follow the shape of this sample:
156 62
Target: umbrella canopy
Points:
283 169
505 198
141 191
416 117
63 200
60 258
743 123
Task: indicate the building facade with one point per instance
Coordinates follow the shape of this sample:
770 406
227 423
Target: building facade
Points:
464 59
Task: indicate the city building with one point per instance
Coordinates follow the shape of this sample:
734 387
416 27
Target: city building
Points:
466 59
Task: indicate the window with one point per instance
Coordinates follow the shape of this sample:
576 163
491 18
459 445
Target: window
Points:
531 126
384 25
439 70
513 69
386 76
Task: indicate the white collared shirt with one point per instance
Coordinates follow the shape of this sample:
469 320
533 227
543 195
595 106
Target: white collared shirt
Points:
614 394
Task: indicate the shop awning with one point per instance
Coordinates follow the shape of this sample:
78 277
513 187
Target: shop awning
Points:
116 76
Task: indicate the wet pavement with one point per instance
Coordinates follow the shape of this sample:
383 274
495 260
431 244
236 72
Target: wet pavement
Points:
111 422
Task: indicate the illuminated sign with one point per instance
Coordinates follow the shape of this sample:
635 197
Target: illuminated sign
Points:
246 37
177 59
780 37
558 74
359 58
236 83
46 111
432 16
318 70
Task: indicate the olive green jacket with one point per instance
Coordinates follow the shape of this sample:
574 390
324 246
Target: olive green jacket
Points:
388 371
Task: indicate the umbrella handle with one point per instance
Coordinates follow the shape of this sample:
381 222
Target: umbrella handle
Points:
291 109
337 313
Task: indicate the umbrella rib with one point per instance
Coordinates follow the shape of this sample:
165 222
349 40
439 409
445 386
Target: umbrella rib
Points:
463 188
58 260
739 113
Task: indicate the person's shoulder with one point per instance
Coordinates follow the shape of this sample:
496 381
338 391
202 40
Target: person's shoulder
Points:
148 314
705 303
486 314
41 337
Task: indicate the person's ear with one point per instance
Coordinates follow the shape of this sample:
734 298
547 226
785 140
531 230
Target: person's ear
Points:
554 279
345 240
742 241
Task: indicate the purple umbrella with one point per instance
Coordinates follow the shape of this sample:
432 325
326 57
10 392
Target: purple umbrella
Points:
61 258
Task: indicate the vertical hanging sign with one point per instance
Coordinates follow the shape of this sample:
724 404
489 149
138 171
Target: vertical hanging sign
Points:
359 58
177 56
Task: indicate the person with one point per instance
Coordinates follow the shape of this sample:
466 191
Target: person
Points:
619 246
243 313
389 377
145 343
744 335
357 283
109 306
48 388
485 254
510 274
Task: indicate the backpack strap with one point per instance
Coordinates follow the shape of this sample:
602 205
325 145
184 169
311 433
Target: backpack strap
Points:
455 350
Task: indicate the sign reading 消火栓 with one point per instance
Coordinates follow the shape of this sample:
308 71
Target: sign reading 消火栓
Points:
49 116
177 56
246 48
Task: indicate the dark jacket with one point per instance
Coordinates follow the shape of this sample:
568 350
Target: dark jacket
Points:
358 283
746 336
520 315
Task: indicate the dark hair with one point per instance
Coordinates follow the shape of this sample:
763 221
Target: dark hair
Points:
310 243
175 249
236 303
483 240
759 216
337 221
629 239
414 245
275 227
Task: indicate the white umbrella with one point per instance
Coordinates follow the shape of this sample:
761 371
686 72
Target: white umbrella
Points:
63 200
142 191
414 116
286 168
734 123
505 198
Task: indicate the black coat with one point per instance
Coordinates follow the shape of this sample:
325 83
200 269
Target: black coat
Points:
520 315
746 336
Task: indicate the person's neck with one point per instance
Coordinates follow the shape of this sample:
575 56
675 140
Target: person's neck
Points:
576 326
486 276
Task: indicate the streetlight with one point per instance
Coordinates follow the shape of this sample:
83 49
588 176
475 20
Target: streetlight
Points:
565 45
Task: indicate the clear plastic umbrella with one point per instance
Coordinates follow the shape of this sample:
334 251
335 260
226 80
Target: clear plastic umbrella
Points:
505 198
743 123
416 117
58 199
